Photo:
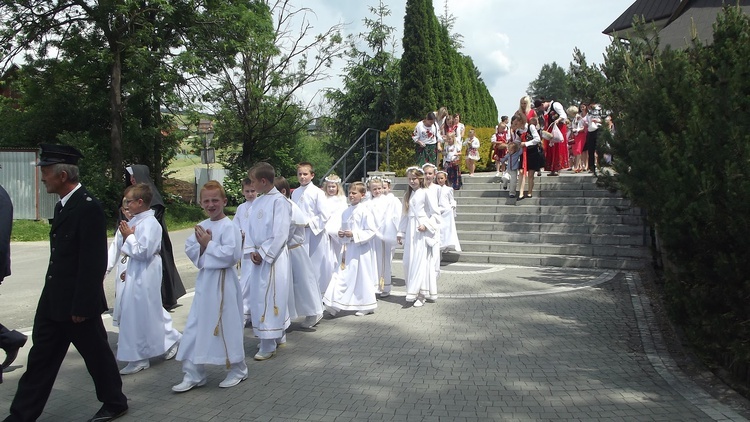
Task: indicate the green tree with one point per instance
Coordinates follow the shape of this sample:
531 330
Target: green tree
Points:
259 114
679 156
552 83
416 95
371 80
586 81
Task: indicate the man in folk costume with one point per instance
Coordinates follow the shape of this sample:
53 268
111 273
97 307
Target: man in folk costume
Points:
556 158
312 201
270 218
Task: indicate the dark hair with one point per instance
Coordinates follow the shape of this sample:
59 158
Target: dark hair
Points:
504 118
431 116
282 185
246 181
538 102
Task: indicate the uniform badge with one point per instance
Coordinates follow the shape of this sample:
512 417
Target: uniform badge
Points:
260 214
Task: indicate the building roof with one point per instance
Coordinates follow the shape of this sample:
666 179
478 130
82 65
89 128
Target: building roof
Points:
694 19
650 10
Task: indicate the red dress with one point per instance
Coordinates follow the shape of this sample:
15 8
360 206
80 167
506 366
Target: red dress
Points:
500 139
556 156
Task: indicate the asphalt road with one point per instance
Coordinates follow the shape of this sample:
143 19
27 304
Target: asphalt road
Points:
20 292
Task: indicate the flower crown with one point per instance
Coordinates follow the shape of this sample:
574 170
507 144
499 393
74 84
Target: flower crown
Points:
428 165
332 178
374 179
415 168
443 172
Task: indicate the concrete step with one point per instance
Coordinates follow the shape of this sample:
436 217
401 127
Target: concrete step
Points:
485 222
536 260
537 209
608 251
510 214
474 231
502 199
539 192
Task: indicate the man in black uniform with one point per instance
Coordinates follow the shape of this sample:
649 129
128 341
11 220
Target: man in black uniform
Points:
10 340
72 300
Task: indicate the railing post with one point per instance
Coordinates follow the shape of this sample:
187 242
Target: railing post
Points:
377 150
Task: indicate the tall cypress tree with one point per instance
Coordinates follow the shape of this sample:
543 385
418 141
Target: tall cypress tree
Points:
416 95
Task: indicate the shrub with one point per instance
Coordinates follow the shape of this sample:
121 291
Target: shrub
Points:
402 154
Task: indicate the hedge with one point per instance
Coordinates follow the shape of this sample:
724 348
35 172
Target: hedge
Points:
402 154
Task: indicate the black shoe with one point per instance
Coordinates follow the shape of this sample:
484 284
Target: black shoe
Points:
104 414
11 342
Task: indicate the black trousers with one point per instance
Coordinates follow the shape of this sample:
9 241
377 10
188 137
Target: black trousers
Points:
591 138
51 341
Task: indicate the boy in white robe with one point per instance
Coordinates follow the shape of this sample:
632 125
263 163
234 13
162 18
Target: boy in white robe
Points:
242 221
214 329
352 287
312 201
269 273
304 296
145 327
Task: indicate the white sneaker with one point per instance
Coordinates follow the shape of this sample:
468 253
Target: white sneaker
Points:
186 385
311 321
363 313
419 303
264 355
172 351
135 367
232 379
497 174
385 294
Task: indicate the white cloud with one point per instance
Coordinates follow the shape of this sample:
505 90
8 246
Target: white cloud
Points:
509 41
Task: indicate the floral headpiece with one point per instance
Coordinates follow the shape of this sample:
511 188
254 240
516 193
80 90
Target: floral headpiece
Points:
415 168
332 178
443 172
428 165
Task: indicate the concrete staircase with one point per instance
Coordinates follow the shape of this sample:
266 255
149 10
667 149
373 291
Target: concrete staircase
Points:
569 222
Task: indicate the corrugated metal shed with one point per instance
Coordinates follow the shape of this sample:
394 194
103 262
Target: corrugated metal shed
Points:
21 177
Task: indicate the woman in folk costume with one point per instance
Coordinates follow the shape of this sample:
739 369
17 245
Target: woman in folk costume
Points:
304 295
556 155
337 203
352 287
427 138
214 330
271 271
447 203
387 213
171 283
413 232
145 326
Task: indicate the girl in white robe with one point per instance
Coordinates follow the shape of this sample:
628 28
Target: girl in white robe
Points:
387 213
145 326
415 229
447 203
337 203
214 329
434 213
352 287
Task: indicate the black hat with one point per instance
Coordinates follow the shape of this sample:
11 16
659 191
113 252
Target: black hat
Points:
58 154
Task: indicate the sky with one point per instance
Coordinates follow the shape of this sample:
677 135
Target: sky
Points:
509 41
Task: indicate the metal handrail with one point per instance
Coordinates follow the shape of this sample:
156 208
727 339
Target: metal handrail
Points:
345 175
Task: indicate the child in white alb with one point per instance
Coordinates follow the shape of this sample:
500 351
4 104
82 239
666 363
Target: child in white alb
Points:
214 329
242 221
145 326
352 287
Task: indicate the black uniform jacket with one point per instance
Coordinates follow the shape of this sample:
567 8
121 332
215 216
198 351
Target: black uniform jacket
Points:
78 260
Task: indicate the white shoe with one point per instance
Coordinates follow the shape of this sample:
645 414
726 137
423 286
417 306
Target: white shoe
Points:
332 311
363 313
419 303
134 367
232 379
385 294
186 385
264 355
172 351
311 321
281 342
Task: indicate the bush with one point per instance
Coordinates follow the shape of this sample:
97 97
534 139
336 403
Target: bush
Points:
402 154
682 152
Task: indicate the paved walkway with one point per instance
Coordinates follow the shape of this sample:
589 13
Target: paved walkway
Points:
502 343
